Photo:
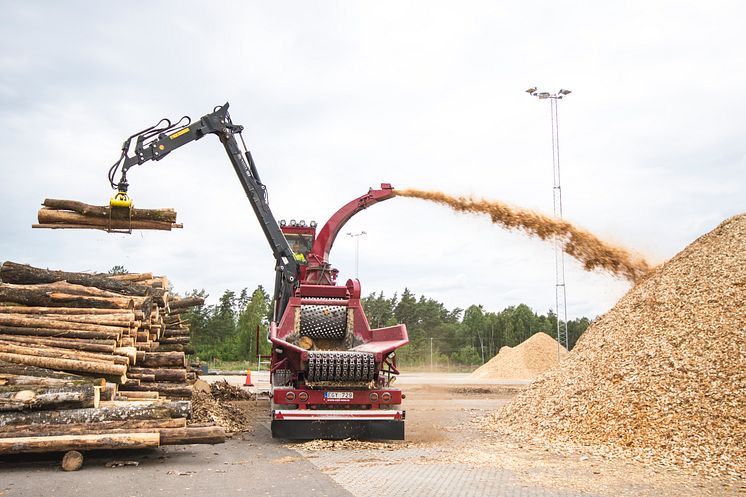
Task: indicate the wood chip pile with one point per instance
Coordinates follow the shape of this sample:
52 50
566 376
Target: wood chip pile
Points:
85 357
526 361
663 374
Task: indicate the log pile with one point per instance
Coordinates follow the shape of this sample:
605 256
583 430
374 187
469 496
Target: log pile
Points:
71 214
93 361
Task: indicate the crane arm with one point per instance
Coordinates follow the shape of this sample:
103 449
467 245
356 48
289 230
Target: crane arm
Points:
158 141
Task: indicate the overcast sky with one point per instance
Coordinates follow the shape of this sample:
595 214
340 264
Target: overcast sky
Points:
337 97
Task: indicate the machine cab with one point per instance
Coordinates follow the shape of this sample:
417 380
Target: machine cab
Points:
300 237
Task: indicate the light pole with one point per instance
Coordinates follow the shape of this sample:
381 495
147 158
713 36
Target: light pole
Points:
560 296
357 236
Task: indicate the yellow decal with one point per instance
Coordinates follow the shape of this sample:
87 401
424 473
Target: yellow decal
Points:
179 133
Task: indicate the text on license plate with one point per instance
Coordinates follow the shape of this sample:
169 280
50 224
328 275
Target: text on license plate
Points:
337 395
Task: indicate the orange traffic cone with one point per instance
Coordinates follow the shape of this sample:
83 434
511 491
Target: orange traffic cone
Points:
248 382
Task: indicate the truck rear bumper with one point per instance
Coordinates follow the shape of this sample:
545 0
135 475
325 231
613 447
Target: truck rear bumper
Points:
303 424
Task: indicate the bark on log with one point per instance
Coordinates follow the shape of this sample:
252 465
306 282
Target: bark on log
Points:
167 215
193 435
44 398
50 218
131 277
36 430
52 332
26 370
105 346
35 297
78 311
44 351
166 389
124 321
175 340
161 374
143 377
186 349
22 274
38 322
95 368
179 409
146 395
185 303
162 359
23 445
15 381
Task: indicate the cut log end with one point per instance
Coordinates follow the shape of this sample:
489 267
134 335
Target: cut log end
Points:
72 461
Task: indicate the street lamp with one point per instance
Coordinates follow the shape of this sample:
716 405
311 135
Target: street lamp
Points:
357 236
560 295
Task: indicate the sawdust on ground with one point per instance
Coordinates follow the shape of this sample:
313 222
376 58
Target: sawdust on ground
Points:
592 252
527 360
662 376
232 417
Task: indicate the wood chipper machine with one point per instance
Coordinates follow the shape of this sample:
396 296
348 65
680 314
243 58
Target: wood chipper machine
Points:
331 375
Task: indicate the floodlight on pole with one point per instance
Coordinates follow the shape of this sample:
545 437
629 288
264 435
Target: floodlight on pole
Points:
357 236
560 294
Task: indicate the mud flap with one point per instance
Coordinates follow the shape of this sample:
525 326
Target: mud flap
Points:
338 429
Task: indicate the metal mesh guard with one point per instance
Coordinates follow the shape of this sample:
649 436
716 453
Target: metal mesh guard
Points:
326 322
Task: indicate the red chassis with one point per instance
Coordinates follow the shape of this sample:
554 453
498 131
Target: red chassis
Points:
331 374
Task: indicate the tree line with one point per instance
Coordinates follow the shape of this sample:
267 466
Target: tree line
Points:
227 330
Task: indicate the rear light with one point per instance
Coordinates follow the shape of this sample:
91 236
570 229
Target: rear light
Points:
302 396
373 397
290 396
385 396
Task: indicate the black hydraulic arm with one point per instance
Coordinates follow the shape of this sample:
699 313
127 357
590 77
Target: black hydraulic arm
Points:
158 141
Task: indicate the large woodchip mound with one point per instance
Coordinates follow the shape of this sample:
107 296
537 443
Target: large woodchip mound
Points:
663 374
527 360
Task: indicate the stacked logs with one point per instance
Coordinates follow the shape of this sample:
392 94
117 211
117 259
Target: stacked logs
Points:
71 214
81 361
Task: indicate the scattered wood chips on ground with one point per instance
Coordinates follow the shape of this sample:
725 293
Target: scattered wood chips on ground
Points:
662 376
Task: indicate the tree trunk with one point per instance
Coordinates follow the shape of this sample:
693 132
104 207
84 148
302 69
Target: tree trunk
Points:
21 274
186 302
163 215
193 435
37 297
52 332
181 409
50 218
167 389
11 368
23 321
131 277
76 311
163 359
22 445
90 367
161 374
186 349
43 351
45 398
16 381
105 346
35 430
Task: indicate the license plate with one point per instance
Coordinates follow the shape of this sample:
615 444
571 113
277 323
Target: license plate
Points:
337 395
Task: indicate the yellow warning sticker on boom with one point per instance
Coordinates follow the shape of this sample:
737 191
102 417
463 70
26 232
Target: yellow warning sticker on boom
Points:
179 133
